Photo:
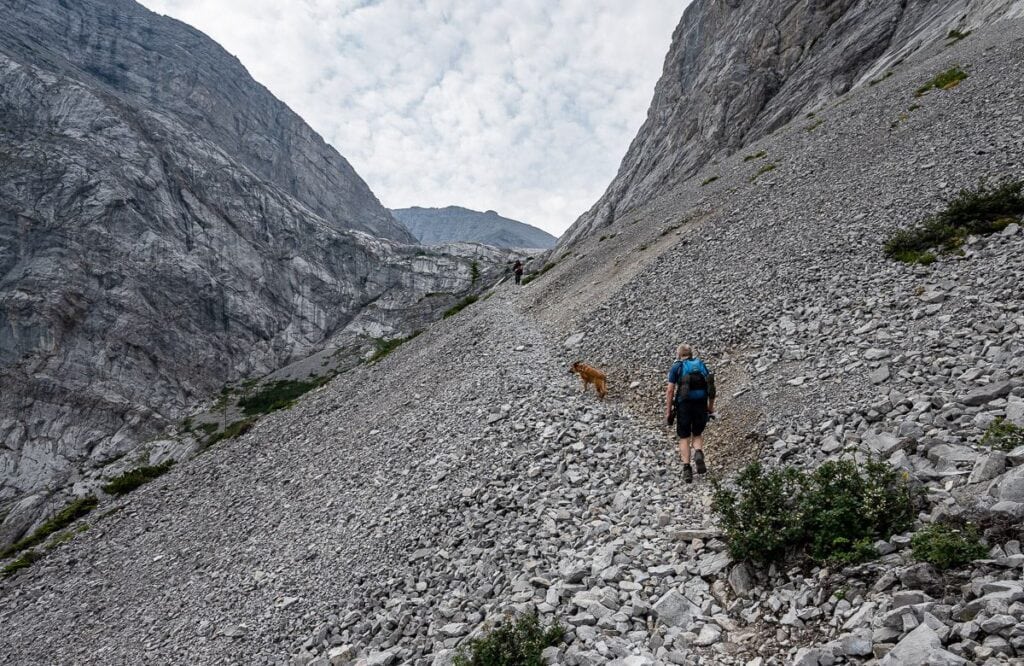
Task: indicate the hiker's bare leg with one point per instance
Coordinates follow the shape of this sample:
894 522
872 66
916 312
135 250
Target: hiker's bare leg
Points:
698 442
684 450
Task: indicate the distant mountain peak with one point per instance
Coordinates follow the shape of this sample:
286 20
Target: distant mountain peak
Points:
433 226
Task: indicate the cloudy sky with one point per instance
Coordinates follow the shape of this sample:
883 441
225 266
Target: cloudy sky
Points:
522 106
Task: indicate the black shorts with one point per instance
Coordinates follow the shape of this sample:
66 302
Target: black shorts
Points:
691 417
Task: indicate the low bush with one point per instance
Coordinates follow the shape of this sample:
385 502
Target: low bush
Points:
950 78
955 36
947 547
516 643
985 210
756 156
235 429
709 180
460 306
132 479
25 561
547 267
59 521
833 514
763 170
385 347
277 395
1003 435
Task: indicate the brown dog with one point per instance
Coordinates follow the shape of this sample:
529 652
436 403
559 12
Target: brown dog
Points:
591 375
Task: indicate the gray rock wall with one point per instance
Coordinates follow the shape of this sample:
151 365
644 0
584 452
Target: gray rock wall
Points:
454 223
737 71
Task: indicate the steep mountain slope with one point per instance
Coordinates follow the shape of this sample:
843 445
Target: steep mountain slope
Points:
398 511
454 223
167 227
736 71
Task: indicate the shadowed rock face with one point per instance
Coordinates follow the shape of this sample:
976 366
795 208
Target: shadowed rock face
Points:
737 70
167 226
454 223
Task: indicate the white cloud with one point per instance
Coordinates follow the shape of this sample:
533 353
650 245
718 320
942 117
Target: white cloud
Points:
522 106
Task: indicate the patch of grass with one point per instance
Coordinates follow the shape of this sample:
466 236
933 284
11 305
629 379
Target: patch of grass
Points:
209 428
385 347
533 276
763 170
235 429
883 77
913 107
947 547
515 643
708 181
59 521
277 395
1003 435
26 560
831 515
955 36
66 536
985 210
460 306
606 237
950 78
756 156
132 479
815 125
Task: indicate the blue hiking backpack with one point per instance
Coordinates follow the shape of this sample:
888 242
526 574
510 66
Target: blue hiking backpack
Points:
694 376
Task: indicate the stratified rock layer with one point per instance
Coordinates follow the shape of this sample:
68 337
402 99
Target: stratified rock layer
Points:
454 223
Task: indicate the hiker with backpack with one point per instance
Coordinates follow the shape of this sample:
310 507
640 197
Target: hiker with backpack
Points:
689 399
517 270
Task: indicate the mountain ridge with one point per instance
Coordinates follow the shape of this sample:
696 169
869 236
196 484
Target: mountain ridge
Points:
457 223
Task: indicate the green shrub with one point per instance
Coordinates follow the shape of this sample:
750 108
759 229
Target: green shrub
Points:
950 78
132 479
947 547
833 514
985 210
756 156
883 77
385 347
23 562
235 429
277 395
709 180
460 306
955 36
547 267
517 643
763 170
815 125
1003 435
62 519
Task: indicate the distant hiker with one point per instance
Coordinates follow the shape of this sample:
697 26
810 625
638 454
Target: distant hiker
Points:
517 269
689 398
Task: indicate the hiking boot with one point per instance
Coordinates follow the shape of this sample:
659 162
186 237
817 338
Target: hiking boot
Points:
698 459
687 473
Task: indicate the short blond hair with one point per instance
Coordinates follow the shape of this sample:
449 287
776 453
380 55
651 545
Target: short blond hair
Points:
684 351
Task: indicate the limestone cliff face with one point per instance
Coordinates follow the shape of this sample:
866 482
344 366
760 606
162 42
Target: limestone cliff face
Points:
454 223
167 226
739 69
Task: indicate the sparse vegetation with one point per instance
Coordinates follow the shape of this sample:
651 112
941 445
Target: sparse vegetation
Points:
460 306
815 125
756 156
833 514
59 521
235 429
474 272
515 643
947 547
708 181
955 36
1003 435
26 560
763 170
385 347
950 78
132 479
605 237
278 395
985 210
883 77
